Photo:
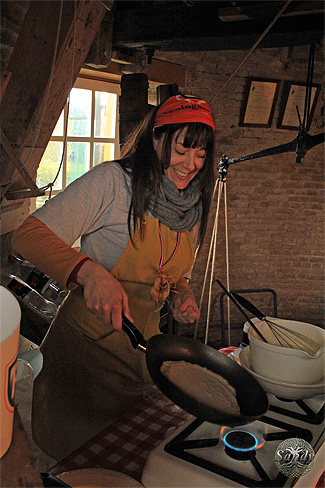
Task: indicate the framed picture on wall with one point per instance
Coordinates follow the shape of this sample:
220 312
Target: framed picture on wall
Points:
259 103
293 101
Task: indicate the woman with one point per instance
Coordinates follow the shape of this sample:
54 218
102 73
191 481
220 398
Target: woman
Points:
137 218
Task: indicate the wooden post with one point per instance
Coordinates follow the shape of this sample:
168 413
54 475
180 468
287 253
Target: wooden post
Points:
133 102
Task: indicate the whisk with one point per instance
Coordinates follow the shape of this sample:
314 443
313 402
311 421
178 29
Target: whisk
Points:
285 337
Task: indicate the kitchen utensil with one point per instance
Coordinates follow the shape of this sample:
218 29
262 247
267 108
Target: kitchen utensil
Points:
281 389
160 348
101 478
284 336
241 310
52 481
285 363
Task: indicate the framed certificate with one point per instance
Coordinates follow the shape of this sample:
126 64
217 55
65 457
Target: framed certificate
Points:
259 103
294 101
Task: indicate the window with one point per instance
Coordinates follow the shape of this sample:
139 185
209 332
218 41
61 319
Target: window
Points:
92 135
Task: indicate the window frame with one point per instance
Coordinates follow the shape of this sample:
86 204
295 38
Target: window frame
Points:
95 85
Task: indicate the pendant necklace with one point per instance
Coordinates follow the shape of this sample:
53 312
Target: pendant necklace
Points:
161 286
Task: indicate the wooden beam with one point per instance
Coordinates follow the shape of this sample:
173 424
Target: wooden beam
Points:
14 158
5 77
23 194
69 61
13 216
108 4
34 99
100 52
160 72
173 26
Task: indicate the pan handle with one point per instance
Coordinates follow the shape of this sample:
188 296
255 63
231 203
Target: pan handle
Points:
136 338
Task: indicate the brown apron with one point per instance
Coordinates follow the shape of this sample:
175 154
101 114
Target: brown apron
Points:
89 378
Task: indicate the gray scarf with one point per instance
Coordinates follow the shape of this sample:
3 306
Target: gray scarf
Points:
180 210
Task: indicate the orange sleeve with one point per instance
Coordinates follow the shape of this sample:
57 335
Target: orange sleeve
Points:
35 242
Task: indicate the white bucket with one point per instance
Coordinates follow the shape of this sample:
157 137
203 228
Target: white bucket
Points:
10 315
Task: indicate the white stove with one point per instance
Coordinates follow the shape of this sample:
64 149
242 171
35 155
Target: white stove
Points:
194 455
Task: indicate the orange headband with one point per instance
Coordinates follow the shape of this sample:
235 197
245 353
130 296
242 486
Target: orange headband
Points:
178 109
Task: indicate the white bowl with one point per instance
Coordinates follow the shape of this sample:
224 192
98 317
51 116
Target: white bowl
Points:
286 364
289 391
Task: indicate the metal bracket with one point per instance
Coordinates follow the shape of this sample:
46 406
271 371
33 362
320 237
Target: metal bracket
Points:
300 145
223 168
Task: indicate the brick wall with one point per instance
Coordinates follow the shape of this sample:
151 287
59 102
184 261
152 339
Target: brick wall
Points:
275 206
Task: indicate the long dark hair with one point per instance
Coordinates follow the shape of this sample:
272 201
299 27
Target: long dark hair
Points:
140 160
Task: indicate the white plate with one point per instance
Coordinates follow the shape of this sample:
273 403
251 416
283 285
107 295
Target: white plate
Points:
97 478
290 391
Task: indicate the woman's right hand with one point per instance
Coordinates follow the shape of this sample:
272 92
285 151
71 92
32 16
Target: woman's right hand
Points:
103 294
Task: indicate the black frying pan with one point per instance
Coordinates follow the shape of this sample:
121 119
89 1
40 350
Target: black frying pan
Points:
251 398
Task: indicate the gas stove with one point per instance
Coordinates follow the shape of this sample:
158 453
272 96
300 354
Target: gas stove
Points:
201 454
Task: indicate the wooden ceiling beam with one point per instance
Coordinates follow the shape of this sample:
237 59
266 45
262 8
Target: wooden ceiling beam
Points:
172 26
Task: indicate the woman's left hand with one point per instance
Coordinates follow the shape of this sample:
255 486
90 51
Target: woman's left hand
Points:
184 307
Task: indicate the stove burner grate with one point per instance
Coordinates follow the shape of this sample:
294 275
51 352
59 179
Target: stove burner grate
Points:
306 414
180 447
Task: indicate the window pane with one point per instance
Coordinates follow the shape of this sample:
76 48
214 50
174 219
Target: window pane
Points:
80 113
103 152
49 166
41 200
78 155
105 114
58 131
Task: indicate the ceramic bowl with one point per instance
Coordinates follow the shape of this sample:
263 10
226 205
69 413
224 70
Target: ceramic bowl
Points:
287 364
290 391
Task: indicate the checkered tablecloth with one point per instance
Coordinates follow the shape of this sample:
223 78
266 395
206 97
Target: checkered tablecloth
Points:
125 444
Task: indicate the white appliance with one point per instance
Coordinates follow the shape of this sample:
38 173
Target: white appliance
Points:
194 455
